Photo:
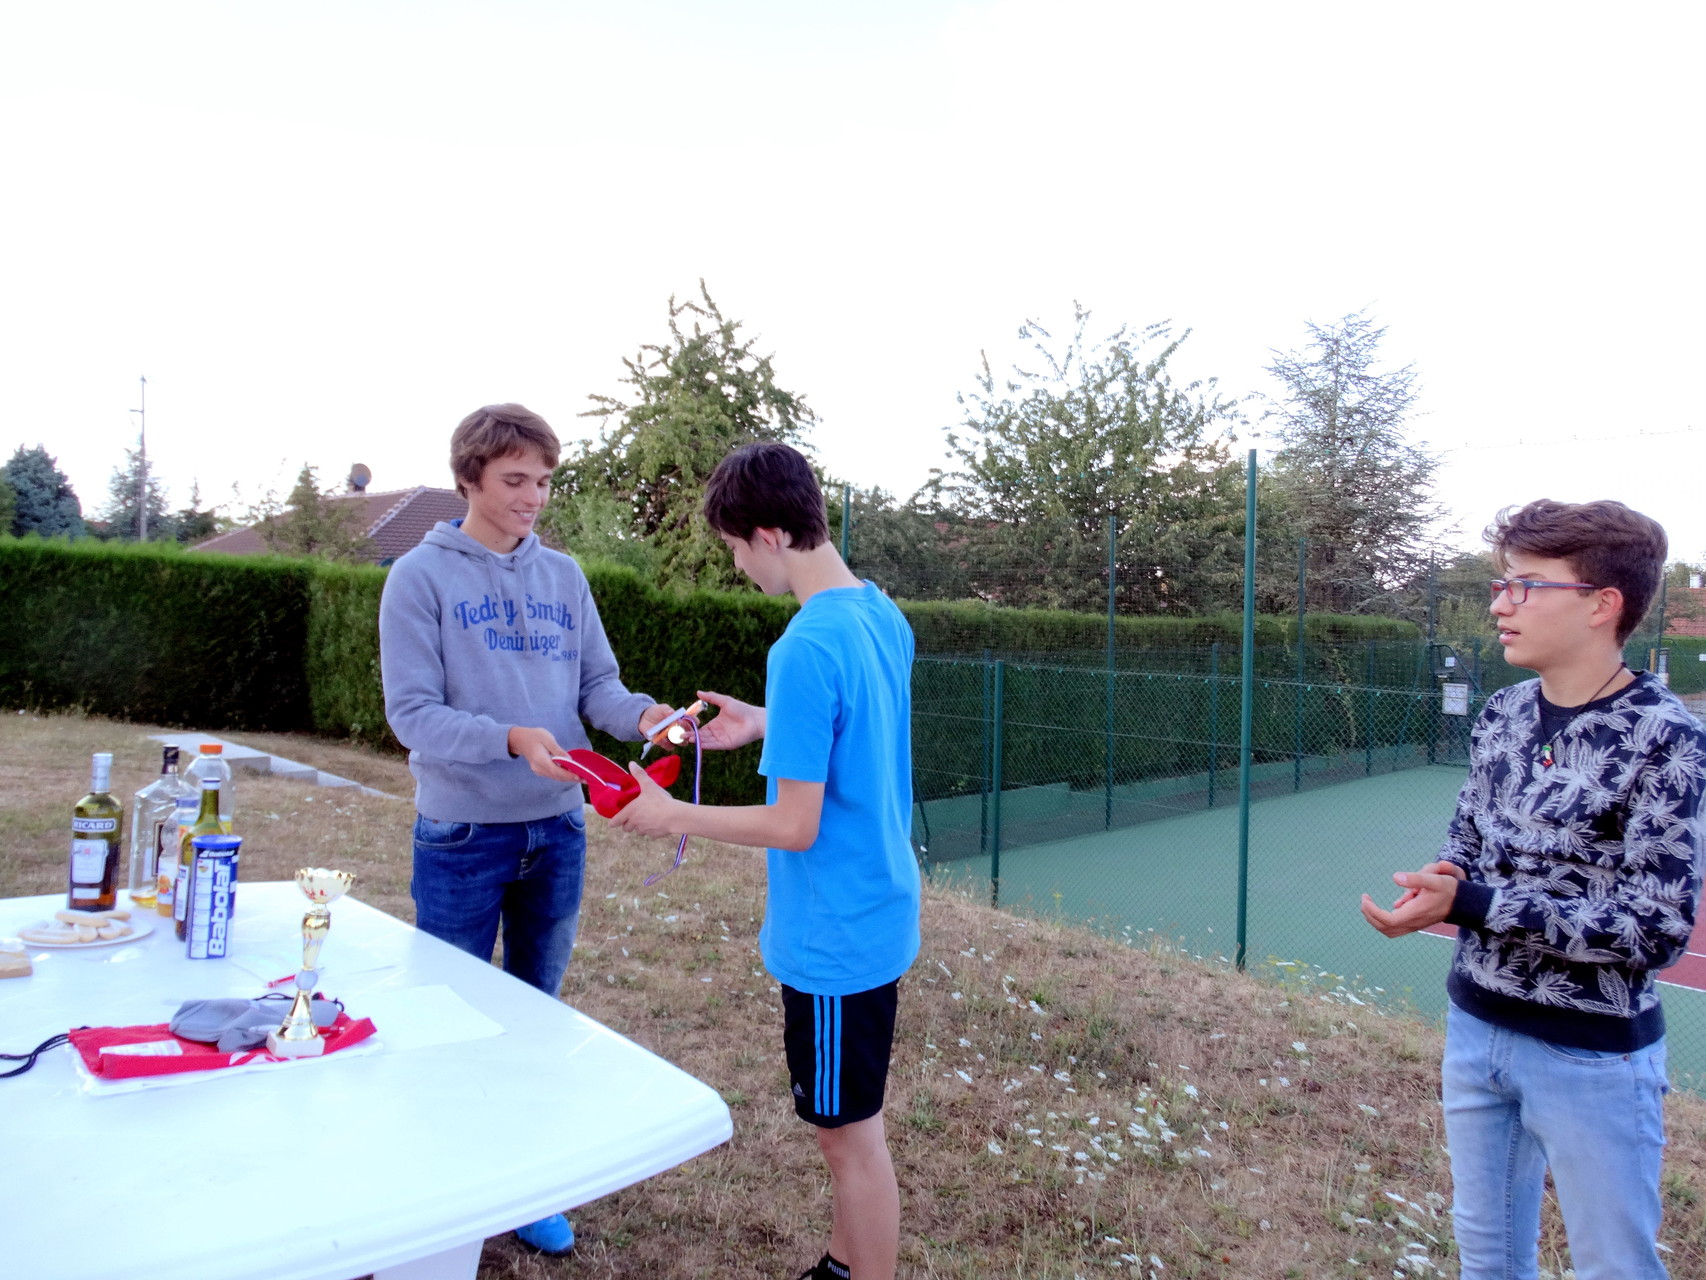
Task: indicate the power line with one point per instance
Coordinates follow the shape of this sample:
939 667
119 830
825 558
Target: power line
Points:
1554 441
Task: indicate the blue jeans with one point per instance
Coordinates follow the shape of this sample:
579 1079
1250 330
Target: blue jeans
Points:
1515 1105
469 875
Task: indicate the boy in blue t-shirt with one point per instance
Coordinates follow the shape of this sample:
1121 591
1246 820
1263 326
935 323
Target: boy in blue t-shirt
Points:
841 916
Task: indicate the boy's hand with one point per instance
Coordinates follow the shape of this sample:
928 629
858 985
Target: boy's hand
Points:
1439 868
735 724
1426 900
653 716
650 812
537 746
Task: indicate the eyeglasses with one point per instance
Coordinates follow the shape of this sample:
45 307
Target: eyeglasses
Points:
1520 587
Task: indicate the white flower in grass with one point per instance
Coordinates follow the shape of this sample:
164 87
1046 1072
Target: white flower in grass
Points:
995 1148
962 1075
1299 1046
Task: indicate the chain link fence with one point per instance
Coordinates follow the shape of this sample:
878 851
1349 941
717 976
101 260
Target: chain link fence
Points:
1077 776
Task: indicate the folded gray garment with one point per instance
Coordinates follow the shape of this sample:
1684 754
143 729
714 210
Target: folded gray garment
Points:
235 1025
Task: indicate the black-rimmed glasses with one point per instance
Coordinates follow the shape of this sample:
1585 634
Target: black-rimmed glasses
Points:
1520 587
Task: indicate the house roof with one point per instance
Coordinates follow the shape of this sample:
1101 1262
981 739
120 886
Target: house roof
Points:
395 519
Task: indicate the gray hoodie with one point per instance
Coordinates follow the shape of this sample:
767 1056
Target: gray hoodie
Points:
472 643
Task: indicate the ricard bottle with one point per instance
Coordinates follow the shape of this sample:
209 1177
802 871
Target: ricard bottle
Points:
154 830
95 842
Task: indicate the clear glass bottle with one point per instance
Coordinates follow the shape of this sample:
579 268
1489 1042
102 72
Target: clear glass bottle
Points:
166 870
154 829
95 830
210 760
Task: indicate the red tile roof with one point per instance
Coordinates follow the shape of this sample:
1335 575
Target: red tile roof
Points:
395 519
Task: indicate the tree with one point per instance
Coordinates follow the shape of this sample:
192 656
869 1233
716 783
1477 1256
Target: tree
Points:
45 502
123 510
694 397
908 549
8 505
1346 477
309 523
1100 430
191 524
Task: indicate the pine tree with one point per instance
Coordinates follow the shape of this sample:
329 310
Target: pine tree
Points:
123 510
46 504
1347 477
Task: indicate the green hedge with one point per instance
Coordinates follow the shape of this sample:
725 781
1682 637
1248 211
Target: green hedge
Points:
150 633
223 642
968 628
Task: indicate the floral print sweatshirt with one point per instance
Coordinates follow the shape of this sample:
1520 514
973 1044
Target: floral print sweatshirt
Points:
1583 851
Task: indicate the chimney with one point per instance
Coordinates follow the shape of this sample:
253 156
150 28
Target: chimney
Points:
359 478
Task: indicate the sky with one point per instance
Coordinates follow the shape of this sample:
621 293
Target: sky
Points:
325 231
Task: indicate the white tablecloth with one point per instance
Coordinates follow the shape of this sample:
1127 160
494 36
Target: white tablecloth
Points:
401 1158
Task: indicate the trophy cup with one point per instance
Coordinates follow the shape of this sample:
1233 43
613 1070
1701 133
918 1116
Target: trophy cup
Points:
297 1036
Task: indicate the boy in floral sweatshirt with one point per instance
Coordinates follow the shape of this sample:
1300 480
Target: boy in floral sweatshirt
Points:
1573 870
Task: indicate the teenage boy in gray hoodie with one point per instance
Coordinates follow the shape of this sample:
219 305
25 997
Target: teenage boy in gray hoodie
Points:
492 654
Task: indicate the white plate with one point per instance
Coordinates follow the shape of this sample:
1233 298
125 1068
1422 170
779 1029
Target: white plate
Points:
141 925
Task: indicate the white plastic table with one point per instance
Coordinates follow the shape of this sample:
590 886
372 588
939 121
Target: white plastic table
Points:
398 1161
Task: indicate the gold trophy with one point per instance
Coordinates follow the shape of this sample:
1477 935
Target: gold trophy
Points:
297 1036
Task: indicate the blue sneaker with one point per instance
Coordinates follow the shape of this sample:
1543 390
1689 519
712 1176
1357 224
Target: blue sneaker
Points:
551 1236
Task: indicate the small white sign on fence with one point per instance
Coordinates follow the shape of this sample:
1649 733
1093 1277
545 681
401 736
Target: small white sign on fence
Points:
1454 698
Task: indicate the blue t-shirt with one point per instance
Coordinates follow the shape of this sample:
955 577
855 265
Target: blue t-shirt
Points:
842 916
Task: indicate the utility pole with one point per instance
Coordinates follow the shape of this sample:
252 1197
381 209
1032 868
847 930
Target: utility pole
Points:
142 457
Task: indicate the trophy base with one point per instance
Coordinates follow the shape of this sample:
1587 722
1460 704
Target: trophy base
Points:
278 1046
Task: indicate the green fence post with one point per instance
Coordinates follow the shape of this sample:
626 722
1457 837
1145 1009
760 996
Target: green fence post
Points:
1108 761
846 510
1247 708
1297 693
984 761
1213 718
1368 734
995 784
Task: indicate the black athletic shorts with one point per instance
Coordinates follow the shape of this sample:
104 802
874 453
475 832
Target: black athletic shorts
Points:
838 1053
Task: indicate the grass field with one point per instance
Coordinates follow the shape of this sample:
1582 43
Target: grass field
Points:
1062 1104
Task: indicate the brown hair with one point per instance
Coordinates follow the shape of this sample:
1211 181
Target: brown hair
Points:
1606 543
767 486
496 431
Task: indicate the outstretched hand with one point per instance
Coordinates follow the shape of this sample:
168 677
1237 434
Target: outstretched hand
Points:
735 724
1427 899
652 812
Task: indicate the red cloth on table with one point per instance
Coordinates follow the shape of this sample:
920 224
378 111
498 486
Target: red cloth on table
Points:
195 1056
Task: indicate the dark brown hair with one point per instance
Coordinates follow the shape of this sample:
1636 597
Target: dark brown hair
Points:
1606 543
767 486
496 431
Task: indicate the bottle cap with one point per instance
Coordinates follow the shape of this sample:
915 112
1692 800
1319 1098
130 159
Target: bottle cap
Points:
211 748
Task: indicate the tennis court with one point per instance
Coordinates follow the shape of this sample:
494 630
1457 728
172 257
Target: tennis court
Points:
1313 854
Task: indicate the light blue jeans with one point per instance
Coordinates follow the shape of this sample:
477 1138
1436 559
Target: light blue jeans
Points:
1515 1105
469 876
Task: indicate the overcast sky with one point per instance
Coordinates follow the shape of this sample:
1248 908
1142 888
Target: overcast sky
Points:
325 231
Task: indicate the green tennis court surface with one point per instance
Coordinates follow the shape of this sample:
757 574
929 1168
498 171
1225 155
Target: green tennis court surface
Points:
1313 854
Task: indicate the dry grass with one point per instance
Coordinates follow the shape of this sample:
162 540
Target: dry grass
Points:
1061 1104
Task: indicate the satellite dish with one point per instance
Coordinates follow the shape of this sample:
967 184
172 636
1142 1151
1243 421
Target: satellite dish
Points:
360 476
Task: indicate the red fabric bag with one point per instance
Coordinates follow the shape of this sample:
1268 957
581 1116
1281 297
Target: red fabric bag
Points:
191 1055
608 785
